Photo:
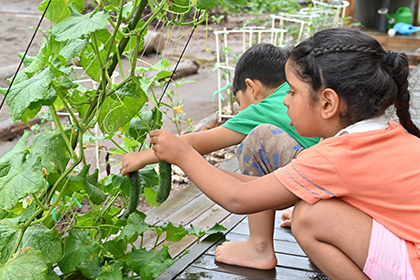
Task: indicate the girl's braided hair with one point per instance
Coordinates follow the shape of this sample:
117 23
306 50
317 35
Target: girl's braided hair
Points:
356 66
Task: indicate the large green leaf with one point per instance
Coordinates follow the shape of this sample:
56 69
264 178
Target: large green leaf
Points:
110 273
52 149
23 177
180 6
8 232
206 4
149 265
234 4
26 92
27 264
19 150
91 186
38 237
120 108
76 25
40 60
135 226
45 240
58 9
91 269
73 48
88 58
78 248
77 182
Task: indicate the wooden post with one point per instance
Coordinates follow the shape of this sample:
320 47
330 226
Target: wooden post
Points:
350 10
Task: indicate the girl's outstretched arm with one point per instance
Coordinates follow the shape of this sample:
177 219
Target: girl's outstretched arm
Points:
231 193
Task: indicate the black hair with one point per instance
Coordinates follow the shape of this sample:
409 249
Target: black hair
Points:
263 62
355 65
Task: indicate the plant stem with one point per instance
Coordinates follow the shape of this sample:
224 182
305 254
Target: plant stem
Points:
39 203
22 231
121 47
60 127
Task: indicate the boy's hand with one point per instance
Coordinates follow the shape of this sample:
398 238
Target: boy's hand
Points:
168 147
131 162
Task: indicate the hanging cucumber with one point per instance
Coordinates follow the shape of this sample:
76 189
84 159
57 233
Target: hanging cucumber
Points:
165 180
135 190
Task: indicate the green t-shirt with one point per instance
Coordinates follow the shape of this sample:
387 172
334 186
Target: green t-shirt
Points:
271 110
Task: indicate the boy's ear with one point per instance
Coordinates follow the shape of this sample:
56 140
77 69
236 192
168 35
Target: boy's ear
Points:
331 104
254 87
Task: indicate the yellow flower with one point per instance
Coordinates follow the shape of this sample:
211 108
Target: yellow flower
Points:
178 109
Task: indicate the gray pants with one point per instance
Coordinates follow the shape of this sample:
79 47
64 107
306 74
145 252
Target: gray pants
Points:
265 149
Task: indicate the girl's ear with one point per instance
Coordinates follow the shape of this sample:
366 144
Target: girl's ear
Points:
331 105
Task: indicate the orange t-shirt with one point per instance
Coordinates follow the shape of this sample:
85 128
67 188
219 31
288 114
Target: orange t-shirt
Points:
376 171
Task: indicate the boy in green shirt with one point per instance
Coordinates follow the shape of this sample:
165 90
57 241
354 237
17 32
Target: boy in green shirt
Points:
260 86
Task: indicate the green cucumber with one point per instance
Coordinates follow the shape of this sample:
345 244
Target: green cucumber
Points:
165 180
135 189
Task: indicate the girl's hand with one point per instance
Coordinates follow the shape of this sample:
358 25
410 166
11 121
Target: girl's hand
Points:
131 162
168 147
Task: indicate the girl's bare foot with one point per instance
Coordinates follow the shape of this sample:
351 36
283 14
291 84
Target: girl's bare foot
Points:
258 255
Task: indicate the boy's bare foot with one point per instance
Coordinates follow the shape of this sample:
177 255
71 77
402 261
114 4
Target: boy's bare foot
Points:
246 253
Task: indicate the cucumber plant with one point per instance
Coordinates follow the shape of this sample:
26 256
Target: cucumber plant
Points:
44 177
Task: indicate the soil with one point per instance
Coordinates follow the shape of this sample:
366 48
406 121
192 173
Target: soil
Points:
18 19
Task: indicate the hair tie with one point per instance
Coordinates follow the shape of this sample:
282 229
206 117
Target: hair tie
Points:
390 57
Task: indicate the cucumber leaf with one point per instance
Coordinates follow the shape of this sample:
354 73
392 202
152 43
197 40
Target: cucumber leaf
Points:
26 264
76 25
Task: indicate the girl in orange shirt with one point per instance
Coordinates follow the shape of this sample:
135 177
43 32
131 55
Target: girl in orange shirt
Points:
356 193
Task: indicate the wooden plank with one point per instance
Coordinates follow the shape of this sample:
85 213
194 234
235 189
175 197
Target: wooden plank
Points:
198 273
278 232
207 219
207 263
171 205
231 165
214 215
280 246
286 253
178 267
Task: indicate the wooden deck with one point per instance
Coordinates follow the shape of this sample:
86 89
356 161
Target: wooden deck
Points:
191 206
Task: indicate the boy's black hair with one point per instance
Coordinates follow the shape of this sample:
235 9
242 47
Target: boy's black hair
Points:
263 62
355 65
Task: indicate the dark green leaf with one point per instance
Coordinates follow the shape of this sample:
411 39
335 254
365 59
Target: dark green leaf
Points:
91 186
26 92
116 247
40 60
26 264
206 4
52 149
77 25
135 226
78 248
91 269
157 264
23 178
181 6
45 240
234 4
77 182
73 48
116 112
174 233
138 258
51 275
8 234
110 273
